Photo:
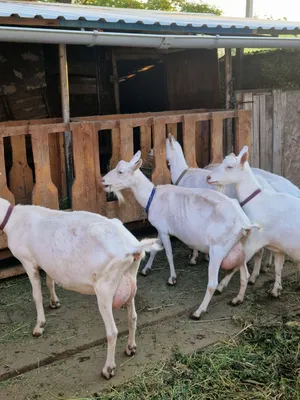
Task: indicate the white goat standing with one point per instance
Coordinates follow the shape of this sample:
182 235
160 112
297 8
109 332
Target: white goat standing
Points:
80 251
277 213
180 212
182 175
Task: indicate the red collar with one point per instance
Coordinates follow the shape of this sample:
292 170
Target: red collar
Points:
250 197
6 218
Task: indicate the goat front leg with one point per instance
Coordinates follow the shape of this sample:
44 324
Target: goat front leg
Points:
279 261
193 257
105 301
213 272
225 281
266 268
132 320
54 301
257 264
148 266
165 238
244 276
35 280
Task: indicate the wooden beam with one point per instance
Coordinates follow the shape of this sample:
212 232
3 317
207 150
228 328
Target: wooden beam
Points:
243 124
28 21
115 80
11 271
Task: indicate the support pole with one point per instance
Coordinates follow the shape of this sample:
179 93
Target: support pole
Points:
65 103
228 97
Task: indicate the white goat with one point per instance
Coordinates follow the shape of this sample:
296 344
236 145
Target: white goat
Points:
277 213
180 212
80 251
182 175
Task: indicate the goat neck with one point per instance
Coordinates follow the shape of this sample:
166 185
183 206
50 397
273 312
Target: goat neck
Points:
177 165
248 185
141 188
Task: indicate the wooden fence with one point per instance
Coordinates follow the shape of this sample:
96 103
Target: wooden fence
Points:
202 135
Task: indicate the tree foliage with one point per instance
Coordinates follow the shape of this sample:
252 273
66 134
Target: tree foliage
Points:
194 6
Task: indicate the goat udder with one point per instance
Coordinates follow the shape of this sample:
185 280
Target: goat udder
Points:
234 258
125 291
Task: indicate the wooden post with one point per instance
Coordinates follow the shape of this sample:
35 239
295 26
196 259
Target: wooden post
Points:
65 103
243 123
115 80
228 98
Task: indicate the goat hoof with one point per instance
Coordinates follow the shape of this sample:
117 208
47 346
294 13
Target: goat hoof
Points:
37 331
251 283
194 317
130 350
144 273
192 262
265 270
218 292
108 372
275 294
235 302
54 304
171 282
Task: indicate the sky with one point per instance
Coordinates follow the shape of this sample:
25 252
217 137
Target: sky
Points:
262 8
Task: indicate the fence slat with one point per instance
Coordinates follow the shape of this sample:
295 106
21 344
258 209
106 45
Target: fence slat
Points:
172 128
189 140
161 174
20 175
57 162
84 195
216 139
100 194
262 130
255 156
269 133
279 107
243 130
44 192
145 140
115 144
130 210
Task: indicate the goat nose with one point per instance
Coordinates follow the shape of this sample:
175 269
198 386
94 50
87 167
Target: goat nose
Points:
208 178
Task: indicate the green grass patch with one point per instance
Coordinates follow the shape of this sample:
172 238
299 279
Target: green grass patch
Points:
263 364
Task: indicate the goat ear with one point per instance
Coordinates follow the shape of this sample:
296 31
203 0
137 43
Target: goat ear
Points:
171 139
137 165
135 159
243 155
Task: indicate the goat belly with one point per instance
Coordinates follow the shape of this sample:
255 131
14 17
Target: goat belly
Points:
125 291
234 258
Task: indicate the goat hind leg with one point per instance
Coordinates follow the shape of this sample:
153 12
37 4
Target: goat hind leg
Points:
54 301
193 259
279 261
244 275
165 238
257 265
35 280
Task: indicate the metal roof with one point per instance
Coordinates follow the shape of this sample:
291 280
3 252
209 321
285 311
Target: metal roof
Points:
75 16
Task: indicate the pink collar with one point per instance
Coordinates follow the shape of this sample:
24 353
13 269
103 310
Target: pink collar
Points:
254 194
6 218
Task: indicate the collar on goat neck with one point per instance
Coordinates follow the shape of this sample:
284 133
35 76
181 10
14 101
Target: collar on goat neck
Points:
181 176
254 194
6 218
150 199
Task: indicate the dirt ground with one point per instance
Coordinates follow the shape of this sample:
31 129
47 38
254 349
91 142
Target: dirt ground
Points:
65 363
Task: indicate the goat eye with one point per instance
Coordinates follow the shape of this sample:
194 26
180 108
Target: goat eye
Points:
229 167
120 172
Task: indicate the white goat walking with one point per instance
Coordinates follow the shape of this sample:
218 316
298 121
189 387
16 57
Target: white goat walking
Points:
182 175
180 212
277 213
80 251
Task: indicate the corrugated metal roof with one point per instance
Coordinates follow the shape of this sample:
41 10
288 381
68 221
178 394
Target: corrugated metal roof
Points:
92 17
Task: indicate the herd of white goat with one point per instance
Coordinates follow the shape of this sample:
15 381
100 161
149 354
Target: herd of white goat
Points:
230 212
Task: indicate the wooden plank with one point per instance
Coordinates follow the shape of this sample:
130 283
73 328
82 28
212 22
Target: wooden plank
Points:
45 192
20 175
189 140
198 143
247 104
26 129
279 108
4 191
206 156
262 131
115 80
172 128
243 130
5 254
84 195
161 174
56 154
269 133
130 210
255 145
216 139
11 271
100 193
115 143
145 140
26 122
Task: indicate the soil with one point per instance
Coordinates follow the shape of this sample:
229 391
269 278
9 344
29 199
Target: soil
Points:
66 361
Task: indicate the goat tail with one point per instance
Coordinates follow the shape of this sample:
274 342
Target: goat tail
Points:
149 245
252 226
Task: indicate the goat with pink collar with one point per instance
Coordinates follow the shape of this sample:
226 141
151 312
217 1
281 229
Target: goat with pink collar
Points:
181 212
278 214
83 252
